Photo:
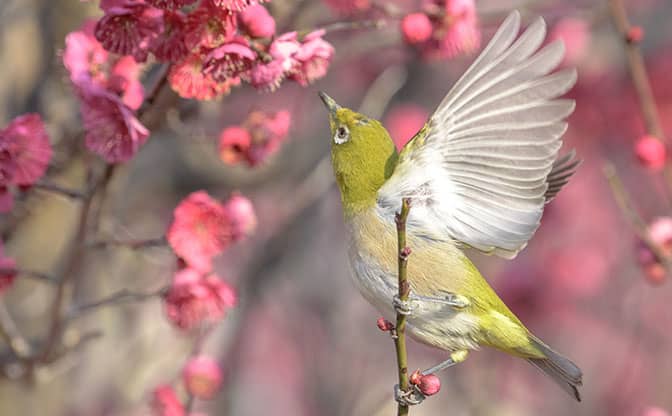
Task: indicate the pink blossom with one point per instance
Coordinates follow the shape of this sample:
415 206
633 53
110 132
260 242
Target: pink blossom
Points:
171 44
112 130
416 28
201 229
268 75
188 79
268 131
7 270
403 121
202 377
195 300
209 26
129 28
87 62
234 144
234 5
312 59
651 153
231 60
429 384
25 151
655 411
241 212
170 4
165 402
455 29
575 33
257 22
349 6
660 231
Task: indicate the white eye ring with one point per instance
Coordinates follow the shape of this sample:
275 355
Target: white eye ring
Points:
342 135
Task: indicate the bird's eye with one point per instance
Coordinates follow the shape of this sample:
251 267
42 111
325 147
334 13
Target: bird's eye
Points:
342 135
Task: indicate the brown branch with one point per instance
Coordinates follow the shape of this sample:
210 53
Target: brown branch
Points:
57 189
625 205
130 244
404 290
33 274
10 333
117 298
637 70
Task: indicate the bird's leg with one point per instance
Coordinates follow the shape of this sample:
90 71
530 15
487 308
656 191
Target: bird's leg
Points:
450 299
404 307
408 398
456 357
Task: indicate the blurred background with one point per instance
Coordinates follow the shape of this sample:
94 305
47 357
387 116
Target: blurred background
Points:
302 341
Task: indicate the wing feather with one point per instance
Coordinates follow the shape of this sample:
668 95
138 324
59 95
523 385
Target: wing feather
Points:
482 169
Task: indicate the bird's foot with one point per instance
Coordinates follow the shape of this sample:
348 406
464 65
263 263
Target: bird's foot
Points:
403 307
408 398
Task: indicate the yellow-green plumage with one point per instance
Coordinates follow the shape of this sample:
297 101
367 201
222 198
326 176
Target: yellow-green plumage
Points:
478 175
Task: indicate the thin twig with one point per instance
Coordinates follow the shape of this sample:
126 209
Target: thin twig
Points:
625 205
10 333
117 298
33 274
404 290
57 189
130 244
349 25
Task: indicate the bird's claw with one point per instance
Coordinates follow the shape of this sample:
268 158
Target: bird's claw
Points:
403 307
408 398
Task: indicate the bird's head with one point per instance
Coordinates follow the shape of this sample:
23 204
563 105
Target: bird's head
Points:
362 153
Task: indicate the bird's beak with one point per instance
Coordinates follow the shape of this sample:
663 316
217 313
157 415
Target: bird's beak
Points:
329 103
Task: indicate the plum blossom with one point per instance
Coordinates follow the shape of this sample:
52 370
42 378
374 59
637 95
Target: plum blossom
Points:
312 58
209 26
257 21
268 75
129 27
112 130
455 28
170 4
234 144
243 218
171 44
651 153
416 28
165 402
188 79
231 60
25 151
194 299
234 5
259 137
202 377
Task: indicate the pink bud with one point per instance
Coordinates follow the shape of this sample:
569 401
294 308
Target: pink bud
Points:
415 377
655 274
234 144
202 377
416 28
241 212
384 324
257 21
660 231
635 34
429 384
651 152
655 411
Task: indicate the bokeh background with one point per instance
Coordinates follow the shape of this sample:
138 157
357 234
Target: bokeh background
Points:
301 340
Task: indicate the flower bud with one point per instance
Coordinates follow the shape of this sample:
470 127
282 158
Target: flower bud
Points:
416 28
202 377
429 384
384 324
241 212
234 144
655 411
635 34
651 152
258 23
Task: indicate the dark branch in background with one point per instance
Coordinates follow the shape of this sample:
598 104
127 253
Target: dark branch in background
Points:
122 296
10 333
404 290
130 244
57 189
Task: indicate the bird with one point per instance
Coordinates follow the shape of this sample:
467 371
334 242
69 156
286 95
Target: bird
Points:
478 175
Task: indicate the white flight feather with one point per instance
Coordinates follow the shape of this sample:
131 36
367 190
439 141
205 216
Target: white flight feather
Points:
480 176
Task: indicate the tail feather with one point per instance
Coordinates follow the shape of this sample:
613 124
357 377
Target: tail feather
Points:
564 372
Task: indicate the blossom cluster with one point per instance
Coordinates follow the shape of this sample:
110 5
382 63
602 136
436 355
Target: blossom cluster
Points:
213 45
260 135
201 229
443 29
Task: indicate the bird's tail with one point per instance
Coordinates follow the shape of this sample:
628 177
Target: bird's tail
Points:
564 372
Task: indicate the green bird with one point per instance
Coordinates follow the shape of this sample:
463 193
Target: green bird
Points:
478 175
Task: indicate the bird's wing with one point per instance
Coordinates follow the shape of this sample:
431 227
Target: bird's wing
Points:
484 165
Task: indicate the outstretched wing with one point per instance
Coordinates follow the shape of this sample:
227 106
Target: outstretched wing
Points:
484 165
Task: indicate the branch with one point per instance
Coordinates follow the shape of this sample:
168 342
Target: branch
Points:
33 274
404 291
10 333
57 189
130 244
117 298
625 205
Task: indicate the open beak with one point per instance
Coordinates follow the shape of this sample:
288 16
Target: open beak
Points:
329 103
